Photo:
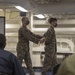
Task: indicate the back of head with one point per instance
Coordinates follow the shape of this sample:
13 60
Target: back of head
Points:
50 20
2 41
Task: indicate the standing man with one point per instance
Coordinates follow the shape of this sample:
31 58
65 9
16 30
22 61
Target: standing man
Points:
24 36
50 46
9 64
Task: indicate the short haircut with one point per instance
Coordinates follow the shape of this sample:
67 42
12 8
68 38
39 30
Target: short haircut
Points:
51 20
2 40
23 18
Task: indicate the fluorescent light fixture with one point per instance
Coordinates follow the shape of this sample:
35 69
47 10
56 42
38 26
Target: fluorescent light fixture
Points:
40 16
21 8
1 9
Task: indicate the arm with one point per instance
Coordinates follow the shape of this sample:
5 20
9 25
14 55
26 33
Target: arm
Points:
48 35
28 34
36 35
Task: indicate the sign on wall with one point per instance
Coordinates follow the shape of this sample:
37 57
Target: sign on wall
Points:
2 25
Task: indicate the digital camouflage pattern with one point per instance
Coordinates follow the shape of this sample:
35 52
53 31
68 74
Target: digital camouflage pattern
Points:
50 50
24 36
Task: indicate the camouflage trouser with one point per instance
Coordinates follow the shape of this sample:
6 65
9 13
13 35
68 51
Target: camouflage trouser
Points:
21 54
49 63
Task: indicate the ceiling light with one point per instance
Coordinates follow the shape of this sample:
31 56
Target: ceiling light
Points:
21 9
1 9
40 16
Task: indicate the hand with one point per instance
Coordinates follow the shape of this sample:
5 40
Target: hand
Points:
42 40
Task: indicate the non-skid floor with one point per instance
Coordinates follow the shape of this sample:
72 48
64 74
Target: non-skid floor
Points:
37 72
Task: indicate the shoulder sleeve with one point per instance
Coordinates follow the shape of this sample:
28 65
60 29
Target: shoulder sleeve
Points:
62 69
30 36
17 69
36 35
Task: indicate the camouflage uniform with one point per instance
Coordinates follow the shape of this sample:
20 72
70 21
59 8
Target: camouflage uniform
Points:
50 50
24 37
